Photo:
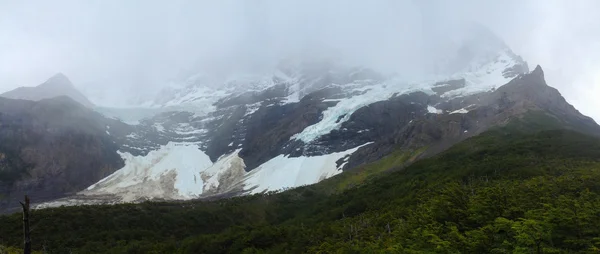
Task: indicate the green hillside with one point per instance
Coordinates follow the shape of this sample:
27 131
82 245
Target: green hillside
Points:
504 191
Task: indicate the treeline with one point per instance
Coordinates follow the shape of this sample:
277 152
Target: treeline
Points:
499 192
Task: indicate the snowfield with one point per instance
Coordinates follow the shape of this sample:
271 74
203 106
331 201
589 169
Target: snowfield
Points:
284 172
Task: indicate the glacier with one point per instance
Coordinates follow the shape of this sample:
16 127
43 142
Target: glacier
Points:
171 171
181 171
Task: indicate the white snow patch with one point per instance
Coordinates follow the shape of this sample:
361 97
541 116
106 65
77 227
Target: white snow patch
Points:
192 131
159 127
434 110
485 77
251 108
107 133
460 111
464 110
284 172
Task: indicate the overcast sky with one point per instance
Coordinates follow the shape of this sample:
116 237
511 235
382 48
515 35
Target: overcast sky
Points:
114 48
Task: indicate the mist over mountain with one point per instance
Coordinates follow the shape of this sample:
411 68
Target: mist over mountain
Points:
300 126
55 86
119 54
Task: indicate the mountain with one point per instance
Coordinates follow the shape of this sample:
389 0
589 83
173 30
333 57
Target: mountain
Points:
212 137
57 85
266 141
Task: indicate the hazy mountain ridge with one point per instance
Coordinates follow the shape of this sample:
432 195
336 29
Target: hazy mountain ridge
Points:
57 85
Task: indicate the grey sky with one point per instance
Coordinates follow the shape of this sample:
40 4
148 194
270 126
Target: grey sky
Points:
114 48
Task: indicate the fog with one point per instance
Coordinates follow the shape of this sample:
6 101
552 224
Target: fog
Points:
115 50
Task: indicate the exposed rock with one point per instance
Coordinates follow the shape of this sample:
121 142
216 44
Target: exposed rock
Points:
270 128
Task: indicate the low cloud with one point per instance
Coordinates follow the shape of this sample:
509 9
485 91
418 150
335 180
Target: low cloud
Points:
118 48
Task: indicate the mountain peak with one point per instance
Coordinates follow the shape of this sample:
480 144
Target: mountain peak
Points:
58 80
57 85
538 72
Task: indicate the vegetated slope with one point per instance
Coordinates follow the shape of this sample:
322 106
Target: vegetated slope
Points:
511 189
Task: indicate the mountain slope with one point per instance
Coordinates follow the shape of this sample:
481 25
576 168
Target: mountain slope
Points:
57 85
509 189
52 147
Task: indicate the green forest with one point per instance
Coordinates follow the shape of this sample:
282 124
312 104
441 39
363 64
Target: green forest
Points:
504 191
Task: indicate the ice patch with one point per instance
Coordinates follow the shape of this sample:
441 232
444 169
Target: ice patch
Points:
284 172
